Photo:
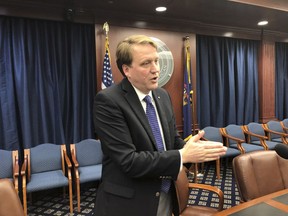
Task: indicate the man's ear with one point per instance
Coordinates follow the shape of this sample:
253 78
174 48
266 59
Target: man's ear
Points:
126 70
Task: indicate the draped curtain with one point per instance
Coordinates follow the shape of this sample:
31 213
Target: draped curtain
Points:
47 82
227 81
281 78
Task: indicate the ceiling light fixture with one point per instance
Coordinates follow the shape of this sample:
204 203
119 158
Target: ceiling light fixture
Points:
228 34
262 23
161 9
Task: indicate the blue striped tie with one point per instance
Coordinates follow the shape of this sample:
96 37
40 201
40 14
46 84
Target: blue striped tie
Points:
152 118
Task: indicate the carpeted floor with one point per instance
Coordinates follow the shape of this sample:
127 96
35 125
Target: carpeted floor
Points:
52 202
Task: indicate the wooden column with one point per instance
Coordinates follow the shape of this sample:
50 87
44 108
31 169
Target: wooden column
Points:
267 80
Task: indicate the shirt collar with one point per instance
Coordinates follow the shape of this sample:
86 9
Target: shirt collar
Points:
141 95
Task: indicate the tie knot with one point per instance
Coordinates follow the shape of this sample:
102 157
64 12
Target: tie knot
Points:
148 99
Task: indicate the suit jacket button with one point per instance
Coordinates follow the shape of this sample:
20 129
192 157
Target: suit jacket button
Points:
157 194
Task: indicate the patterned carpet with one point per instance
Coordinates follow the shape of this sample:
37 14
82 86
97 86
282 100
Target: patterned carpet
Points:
52 202
226 183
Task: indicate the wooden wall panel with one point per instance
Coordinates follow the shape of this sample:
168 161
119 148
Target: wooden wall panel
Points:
267 80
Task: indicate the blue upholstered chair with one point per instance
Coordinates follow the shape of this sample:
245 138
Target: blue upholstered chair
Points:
214 134
284 124
235 138
275 132
48 166
87 159
9 167
256 135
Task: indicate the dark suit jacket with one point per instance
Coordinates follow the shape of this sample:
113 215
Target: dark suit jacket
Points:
132 166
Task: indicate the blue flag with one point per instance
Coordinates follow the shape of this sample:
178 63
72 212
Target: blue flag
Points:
187 95
107 78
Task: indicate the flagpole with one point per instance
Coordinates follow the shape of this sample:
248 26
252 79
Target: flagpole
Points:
192 169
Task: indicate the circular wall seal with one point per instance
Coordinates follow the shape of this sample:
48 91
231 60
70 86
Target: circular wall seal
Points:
166 62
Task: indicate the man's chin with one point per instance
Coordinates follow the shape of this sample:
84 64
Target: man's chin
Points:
154 86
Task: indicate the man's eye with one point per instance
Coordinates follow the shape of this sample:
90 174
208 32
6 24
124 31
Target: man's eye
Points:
146 63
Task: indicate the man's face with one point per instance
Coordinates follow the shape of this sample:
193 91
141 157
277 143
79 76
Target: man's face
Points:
144 71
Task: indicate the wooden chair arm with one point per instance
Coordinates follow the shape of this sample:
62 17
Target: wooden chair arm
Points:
74 160
24 166
16 169
255 135
212 189
233 138
275 132
283 126
227 136
67 160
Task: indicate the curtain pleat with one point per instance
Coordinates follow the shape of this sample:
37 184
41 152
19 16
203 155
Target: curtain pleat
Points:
47 82
281 78
227 81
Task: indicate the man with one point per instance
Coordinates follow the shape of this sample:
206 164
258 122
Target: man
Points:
134 168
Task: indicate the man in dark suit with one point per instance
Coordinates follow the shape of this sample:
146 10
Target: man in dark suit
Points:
133 167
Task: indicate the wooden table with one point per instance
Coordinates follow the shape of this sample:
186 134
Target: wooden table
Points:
274 204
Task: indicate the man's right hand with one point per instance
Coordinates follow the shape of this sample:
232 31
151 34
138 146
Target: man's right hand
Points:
197 151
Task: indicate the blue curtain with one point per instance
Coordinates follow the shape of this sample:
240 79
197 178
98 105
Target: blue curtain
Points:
227 81
281 80
47 82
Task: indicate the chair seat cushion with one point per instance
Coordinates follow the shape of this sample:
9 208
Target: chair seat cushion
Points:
251 147
90 173
270 144
231 152
198 211
277 140
47 180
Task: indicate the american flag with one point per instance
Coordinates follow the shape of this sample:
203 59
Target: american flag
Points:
107 78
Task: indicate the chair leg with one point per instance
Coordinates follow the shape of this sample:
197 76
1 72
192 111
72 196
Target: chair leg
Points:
78 193
218 168
70 196
195 172
24 201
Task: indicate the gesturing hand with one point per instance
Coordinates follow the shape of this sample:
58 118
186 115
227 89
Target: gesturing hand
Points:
197 151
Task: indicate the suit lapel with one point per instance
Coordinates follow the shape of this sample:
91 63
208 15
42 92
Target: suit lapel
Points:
133 100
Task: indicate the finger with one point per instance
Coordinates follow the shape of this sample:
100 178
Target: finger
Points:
197 137
212 144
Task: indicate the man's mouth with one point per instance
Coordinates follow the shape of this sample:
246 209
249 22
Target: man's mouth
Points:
155 78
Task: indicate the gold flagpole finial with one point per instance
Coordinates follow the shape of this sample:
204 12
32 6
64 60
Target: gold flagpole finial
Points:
187 43
106 28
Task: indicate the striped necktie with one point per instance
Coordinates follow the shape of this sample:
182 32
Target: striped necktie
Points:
152 118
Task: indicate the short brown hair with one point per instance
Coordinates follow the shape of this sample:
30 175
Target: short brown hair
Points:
123 51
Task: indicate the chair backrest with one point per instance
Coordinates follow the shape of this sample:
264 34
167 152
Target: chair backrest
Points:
256 128
259 173
285 124
89 152
275 126
10 203
6 164
235 131
182 189
213 134
45 157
